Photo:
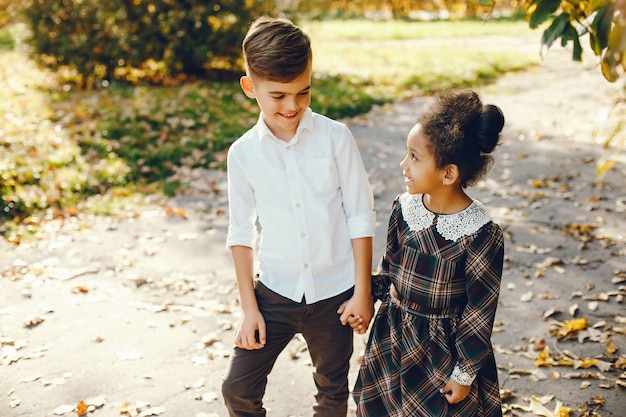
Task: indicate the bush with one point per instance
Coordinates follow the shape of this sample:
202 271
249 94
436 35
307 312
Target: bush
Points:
160 41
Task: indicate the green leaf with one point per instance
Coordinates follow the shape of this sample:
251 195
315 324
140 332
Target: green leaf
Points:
602 27
484 2
577 54
555 31
543 11
594 42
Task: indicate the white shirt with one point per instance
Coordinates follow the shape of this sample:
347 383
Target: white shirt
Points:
311 196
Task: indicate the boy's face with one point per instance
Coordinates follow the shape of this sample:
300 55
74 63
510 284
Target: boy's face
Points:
282 104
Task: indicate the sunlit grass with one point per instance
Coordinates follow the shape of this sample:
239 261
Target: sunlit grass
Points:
420 67
332 30
420 56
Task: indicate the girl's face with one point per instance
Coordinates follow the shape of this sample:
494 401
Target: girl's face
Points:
282 104
418 166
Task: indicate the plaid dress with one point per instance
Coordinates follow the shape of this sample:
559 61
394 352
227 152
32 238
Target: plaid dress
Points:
439 283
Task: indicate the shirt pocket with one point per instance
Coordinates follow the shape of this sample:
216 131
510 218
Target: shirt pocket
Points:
323 176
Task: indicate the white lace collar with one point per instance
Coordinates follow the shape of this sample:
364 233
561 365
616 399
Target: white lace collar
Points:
450 226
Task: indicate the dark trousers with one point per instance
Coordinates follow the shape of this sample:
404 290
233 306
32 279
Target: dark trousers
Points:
330 345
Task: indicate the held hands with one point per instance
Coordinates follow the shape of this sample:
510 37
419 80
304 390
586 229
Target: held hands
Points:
250 334
454 392
357 312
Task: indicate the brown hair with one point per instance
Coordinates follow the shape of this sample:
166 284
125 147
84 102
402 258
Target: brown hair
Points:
275 49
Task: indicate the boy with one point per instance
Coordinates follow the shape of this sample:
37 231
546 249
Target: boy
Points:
300 177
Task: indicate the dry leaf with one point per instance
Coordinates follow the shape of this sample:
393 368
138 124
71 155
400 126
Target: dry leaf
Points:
539 409
176 211
572 326
611 347
33 321
81 408
549 313
63 409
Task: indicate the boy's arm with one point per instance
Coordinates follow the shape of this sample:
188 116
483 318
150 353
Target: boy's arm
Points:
250 333
361 304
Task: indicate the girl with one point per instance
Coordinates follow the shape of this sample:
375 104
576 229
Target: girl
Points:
429 352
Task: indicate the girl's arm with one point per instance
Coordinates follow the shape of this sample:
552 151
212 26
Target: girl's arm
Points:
483 276
381 281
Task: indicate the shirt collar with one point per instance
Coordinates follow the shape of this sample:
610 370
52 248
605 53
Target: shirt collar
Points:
306 123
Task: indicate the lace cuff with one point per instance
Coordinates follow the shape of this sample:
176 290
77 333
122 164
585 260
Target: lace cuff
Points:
462 378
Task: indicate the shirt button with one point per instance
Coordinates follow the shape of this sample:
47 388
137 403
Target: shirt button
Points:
298 205
292 176
288 147
302 234
306 266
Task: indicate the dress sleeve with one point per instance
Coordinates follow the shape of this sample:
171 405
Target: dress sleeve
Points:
381 280
483 271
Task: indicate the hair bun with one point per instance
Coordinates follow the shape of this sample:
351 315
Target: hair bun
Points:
490 124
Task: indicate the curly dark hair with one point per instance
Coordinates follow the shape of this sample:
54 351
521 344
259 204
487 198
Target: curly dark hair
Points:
463 131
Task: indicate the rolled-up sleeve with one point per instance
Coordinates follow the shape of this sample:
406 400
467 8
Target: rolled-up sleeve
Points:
242 229
358 199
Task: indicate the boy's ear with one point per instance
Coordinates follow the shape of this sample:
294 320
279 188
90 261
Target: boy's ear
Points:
450 174
247 86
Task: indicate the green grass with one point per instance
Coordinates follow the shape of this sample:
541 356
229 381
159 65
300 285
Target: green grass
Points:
83 151
6 39
333 30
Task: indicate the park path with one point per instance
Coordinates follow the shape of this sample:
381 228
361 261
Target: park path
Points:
134 316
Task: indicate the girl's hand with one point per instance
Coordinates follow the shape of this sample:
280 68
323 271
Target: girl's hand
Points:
454 392
250 333
356 322
357 313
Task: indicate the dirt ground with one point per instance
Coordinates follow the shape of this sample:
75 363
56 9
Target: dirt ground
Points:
134 315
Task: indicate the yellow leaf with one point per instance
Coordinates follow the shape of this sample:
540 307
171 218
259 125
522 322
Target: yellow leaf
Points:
572 326
81 408
587 363
561 411
611 347
604 166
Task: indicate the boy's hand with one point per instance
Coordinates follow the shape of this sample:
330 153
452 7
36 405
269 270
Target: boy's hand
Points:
250 333
356 322
357 312
454 392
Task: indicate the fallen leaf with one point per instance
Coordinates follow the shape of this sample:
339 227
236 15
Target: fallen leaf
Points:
33 321
572 326
63 409
611 347
81 408
176 211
